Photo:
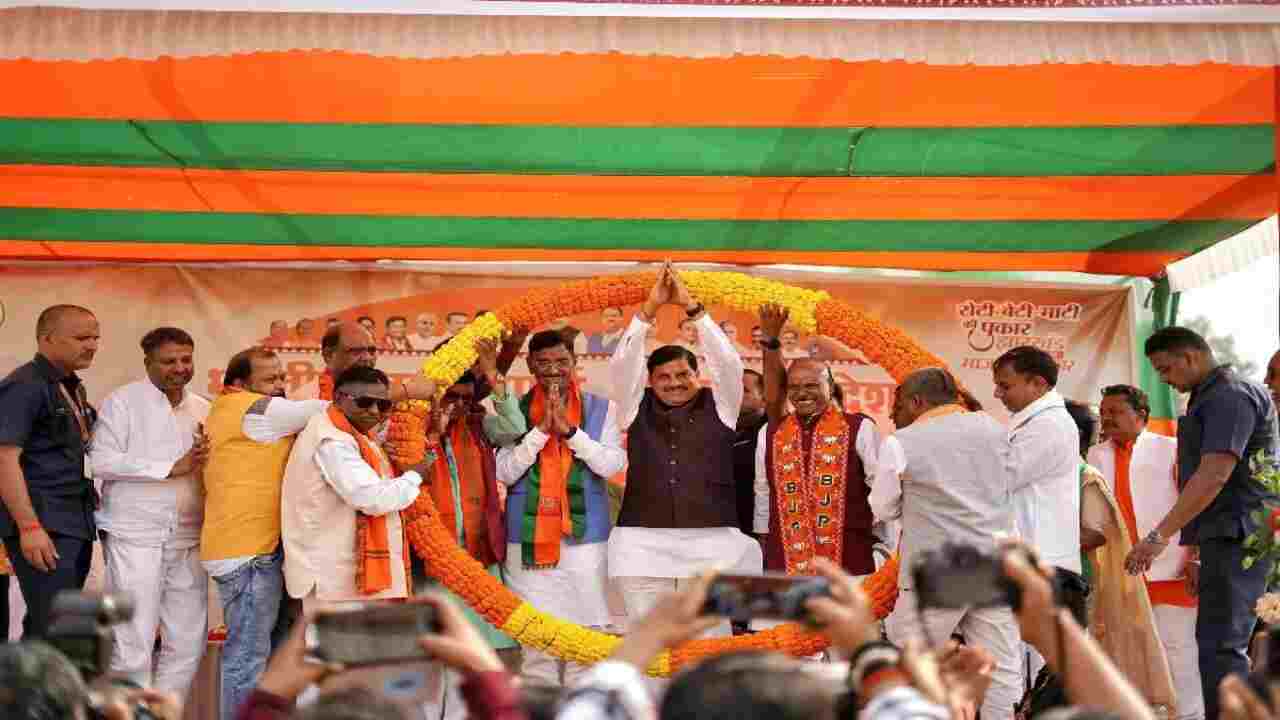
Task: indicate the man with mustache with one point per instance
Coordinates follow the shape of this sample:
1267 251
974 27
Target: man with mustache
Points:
251 428
679 511
149 449
342 346
46 483
812 480
558 503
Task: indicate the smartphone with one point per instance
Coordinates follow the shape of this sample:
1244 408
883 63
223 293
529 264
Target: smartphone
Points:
371 634
957 576
770 596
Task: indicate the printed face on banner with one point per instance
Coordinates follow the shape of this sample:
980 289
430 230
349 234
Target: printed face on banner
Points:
1085 328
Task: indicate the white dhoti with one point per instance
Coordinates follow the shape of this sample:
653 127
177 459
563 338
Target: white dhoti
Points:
575 590
993 629
1177 629
171 594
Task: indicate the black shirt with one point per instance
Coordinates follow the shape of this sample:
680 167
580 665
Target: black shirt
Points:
1226 414
35 416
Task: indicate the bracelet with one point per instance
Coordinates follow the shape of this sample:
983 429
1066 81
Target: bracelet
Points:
879 677
1155 538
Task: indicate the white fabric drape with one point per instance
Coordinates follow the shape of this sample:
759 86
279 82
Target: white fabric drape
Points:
1235 253
70 34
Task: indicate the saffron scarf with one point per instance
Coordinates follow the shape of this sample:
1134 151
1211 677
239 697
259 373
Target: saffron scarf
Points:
373 537
555 505
471 486
809 489
326 386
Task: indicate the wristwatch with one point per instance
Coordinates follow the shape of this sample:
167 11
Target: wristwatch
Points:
771 344
572 431
1155 538
695 311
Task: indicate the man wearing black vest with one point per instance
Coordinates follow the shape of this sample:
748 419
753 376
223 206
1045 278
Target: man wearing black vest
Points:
1229 421
679 511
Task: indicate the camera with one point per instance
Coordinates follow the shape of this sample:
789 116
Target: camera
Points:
771 596
372 634
957 576
81 629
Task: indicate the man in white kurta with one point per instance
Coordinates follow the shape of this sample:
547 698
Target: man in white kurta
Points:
574 585
149 450
679 514
1140 468
328 483
1045 445
945 476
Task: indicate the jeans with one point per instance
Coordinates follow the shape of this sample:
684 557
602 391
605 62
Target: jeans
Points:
39 587
250 597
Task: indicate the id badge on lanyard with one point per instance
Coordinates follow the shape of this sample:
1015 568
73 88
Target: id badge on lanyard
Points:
82 421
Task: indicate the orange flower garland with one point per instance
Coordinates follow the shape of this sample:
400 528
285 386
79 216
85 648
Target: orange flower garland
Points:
886 346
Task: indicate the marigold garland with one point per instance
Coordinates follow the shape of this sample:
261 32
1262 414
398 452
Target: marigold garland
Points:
888 347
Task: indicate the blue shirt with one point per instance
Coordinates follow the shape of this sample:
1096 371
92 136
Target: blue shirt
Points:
1226 414
35 416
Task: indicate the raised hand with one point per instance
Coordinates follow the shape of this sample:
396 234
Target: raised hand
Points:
661 292
773 318
487 356
682 296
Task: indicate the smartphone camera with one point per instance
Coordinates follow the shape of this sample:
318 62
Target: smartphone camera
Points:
771 596
372 634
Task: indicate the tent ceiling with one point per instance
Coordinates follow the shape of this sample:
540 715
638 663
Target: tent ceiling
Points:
315 155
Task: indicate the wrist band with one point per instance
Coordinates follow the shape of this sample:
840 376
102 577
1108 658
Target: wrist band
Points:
879 677
869 660
30 527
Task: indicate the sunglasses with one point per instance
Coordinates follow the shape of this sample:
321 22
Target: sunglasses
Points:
365 402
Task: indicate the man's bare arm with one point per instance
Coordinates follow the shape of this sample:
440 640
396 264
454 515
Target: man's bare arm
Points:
1206 482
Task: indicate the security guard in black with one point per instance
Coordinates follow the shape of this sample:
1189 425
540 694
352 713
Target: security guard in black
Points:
47 497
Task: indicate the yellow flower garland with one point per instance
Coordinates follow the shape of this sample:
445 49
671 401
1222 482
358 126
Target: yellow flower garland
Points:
458 571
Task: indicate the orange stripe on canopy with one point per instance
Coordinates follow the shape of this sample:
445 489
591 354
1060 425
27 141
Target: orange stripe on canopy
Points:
616 89
693 198
1114 263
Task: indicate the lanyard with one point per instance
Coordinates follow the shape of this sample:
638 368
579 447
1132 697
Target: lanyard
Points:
76 409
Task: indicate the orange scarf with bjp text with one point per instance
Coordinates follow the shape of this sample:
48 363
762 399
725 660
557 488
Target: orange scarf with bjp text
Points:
373 537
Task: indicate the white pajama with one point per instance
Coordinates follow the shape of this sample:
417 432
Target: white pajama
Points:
171 594
1177 629
640 595
993 629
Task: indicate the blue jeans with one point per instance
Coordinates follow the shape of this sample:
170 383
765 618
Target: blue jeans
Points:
250 597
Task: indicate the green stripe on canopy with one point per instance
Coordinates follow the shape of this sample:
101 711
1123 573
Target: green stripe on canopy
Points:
814 152
398 231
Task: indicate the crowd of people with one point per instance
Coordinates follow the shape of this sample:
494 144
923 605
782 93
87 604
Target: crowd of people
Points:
1124 547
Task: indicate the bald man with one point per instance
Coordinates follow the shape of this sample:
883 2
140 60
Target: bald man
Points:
811 466
945 475
46 484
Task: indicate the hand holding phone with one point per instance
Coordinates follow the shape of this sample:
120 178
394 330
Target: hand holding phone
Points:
770 596
373 634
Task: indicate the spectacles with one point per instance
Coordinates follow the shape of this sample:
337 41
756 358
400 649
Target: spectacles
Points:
365 402
368 350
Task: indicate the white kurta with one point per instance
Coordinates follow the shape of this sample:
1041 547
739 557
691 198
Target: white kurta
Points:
152 523
1046 480
577 588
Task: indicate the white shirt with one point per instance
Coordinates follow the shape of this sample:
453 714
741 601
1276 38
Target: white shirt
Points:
866 444
359 485
679 552
280 419
138 439
1046 480
722 362
606 457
